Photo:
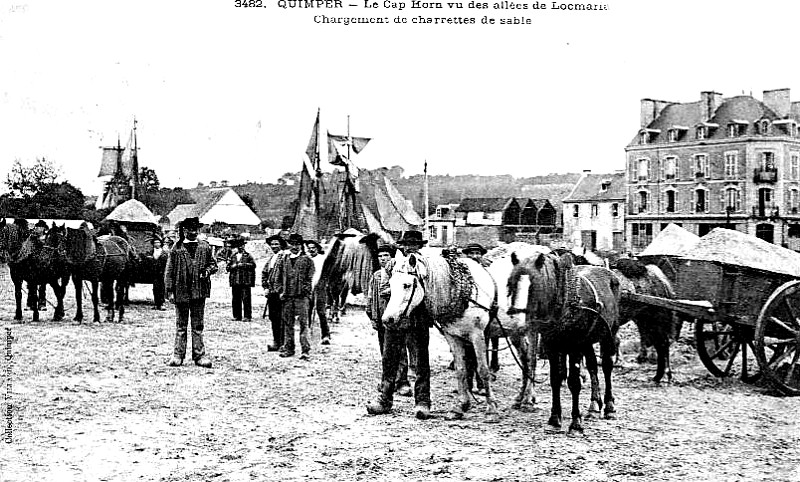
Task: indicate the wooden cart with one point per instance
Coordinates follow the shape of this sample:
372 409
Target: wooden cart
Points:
746 308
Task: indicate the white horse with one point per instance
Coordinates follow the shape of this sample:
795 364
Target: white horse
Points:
464 301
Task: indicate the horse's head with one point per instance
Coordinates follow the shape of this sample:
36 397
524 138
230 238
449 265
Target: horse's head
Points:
406 288
543 275
12 236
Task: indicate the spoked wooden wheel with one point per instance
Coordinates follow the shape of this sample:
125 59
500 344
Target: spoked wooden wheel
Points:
727 350
777 338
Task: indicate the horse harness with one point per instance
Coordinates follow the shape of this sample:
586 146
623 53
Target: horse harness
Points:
597 303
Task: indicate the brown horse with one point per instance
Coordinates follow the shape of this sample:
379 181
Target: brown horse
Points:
107 261
35 261
348 267
572 307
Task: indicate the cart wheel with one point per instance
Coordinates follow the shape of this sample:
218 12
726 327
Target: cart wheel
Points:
727 350
777 338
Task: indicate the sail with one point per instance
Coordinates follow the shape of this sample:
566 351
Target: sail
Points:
305 217
357 143
128 162
108 165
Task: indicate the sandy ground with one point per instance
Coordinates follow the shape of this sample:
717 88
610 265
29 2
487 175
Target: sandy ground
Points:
96 402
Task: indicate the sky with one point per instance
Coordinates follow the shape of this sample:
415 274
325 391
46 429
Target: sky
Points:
227 93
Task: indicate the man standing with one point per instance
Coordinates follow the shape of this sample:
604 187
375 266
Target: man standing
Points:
269 281
415 327
295 272
242 277
160 256
377 298
40 232
187 280
319 296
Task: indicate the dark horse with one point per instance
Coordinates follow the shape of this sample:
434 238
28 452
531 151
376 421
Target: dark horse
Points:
105 260
572 307
35 261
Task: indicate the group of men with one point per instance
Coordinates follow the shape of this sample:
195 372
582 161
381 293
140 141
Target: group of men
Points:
288 279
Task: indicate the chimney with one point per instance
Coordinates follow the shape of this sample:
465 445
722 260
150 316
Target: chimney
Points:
587 171
650 110
709 102
778 100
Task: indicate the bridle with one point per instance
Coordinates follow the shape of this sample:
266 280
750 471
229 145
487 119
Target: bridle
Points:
416 280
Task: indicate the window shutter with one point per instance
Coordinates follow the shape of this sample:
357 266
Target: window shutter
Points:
722 203
707 200
693 202
661 163
677 169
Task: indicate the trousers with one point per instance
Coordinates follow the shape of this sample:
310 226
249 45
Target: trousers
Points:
194 309
295 308
241 298
394 348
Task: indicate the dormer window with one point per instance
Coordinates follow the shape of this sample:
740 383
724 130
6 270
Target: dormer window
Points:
673 135
763 127
643 137
702 132
736 128
646 135
604 185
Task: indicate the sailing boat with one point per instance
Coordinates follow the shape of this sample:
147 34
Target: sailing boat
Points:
122 165
363 200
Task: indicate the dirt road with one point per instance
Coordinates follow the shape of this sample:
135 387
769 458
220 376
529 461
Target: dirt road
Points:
96 402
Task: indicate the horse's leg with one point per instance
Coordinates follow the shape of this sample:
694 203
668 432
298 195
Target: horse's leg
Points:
525 395
532 342
554 359
494 365
77 282
606 352
17 296
479 342
95 301
122 290
596 403
574 383
107 296
458 349
59 289
33 293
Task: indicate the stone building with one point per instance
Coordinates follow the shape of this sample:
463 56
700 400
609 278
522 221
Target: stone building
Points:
594 212
717 162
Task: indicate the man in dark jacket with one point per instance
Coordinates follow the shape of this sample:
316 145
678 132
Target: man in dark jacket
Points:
295 273
160 256
188 283
269 281
242 277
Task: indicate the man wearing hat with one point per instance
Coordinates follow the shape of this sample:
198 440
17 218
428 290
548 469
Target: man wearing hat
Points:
242 277
395 338
160 256
187 280
377 298
476 252
39 232
319 296
295 273
269 281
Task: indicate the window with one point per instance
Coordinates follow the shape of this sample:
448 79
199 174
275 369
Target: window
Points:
763 127
642 201
432 234
670 168
794 231
643 137
733 201
701 167
700 201
793 201
701 132
794 166
767 161
643 168
444 234
673 135
575 210
641 234
670 201
595 210
732 164
604 185
614 210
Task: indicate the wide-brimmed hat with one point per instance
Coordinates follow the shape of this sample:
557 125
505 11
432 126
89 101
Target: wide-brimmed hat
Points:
40 224
473 247
191 223
412 238
315 243
387 248
278 238
236 242
295 238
